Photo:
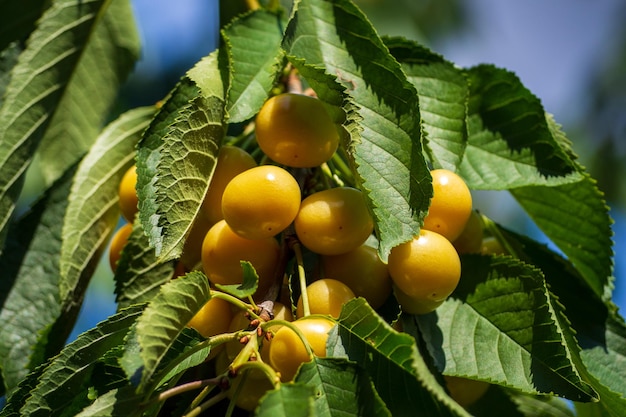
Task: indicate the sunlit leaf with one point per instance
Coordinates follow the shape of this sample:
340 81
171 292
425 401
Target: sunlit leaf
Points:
73 367
107 59
391 359
255 57
289 400
576 218
443 93
510 143
385 137
177 157
93 210
165 318
342 388
38 84
501 326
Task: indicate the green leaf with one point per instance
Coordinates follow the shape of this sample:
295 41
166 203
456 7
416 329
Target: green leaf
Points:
254 49
385 137
120 402
510 143
443 94
500 326
18 19
107 59
38 85
33 327
93 210
165 318
8 59
598 330
289 400
576 218
342 388
72 369
391 359
139 274
248 285
176 158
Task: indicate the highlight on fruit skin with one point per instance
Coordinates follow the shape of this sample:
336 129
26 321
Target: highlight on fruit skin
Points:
451 205
296 130
424 271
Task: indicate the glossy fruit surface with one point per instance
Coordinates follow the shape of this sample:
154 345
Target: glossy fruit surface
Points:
118 241
287 351
281 312
127 192
334 221
296 130
425 268
465 391
231 161
451 205
326 296
362 270
261 202
223 250
471 238
212 319
412 305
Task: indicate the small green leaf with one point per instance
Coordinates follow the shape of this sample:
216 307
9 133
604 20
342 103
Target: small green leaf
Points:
385 136
33 327
443 94
391 359
289 400
93 211
500 326
510 143
73 367
254 47
165 318
248 285
342 388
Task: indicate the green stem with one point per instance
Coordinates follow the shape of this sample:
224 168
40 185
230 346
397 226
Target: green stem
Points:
211 341
235 301
494 230
206 405
297 249
189 386
343 168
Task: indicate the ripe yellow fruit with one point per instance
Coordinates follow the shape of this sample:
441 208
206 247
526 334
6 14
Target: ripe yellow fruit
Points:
326 296
334 221
296 130
451 205
427 268
362 270
231 161
465 391
287 351
212 319
261 202
471 238
223 250
127 192
118 241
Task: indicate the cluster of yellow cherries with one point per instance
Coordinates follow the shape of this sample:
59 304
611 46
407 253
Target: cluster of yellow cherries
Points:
248 206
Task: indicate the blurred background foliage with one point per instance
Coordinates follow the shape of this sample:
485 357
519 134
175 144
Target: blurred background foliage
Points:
570 53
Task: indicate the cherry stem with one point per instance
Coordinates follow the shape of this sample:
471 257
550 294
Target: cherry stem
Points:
189 386
236 302
491 226
297 248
